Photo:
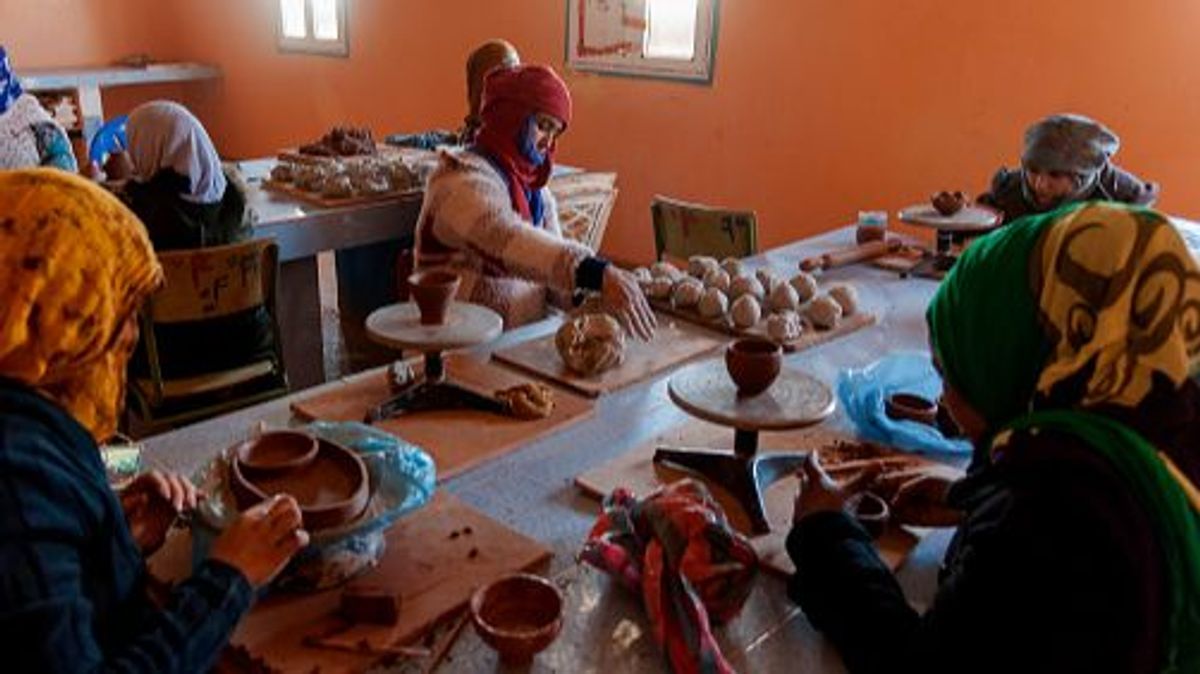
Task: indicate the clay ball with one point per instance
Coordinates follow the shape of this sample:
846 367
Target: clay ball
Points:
717 279
784 298
784 327
733 267
847 297
746 311
687 293
713 304
768 278
663 269
591 343
660 288
824 312
746 285
699 266
805 285
642 275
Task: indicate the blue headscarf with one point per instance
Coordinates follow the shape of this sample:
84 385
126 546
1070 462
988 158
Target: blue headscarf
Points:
10 86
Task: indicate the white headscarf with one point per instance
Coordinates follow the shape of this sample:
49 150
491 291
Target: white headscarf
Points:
165 135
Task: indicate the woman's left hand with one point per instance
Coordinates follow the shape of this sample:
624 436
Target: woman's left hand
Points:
820 493
152 502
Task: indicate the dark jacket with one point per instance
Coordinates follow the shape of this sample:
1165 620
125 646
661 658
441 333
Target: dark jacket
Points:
1007 193
175 223
72 581
1054 569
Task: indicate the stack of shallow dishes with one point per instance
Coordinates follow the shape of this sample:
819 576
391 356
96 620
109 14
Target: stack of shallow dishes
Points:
330 482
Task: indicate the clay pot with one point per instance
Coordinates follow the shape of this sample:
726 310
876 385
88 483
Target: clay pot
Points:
871 511
753 364
276 451
518 615
433 291
906 406
948 203
331 489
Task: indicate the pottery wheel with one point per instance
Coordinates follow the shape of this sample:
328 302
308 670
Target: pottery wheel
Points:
399 326
794 400
971 218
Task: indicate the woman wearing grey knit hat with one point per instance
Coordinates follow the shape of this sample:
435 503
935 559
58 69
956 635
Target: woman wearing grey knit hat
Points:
1067 158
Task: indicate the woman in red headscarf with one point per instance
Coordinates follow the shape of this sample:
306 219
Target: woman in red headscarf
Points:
489 217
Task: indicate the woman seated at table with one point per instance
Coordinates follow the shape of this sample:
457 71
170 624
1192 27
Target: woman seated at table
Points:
486 57
1065 345
75 265
29 136
1067 159
179 188
489 217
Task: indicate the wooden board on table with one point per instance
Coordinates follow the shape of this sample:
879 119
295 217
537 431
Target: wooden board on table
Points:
674 342
456 439
317 199
429 562
810 337
637 471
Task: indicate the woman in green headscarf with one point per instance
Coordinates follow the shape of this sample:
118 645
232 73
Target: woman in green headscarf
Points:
1066 342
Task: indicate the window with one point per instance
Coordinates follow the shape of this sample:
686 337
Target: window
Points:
313 26
673 39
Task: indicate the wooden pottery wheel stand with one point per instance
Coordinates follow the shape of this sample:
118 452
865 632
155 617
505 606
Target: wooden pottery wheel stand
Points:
794 400
972 220
399 326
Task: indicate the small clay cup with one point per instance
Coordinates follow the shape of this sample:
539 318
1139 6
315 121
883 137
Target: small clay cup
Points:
909 407
518 615
276 451
948 203
433 291
753 364
871 511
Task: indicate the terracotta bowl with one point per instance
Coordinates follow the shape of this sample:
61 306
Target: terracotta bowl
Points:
332 489
276 451
753 364
518 615
871 511
906 406
948 203
433 291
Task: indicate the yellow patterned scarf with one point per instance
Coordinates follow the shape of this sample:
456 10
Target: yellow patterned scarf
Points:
75 266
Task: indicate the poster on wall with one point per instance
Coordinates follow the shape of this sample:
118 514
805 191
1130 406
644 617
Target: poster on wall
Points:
672 39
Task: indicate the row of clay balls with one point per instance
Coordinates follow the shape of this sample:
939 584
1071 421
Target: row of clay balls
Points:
709 286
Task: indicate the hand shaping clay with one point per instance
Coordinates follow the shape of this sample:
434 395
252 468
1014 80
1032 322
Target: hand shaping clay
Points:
591 343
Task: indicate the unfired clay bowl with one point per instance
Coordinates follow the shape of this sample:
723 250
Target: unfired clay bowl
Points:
948 203
906 406
332 489
871 511
433 291
518 615
275 451
753 364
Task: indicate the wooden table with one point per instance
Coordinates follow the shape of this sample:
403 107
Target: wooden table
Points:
794 400
532 491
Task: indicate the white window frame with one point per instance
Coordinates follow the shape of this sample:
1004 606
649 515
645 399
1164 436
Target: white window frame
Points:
310 44
626 57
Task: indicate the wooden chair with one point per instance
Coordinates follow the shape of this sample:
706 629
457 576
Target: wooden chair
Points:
201 285
585 202
683 229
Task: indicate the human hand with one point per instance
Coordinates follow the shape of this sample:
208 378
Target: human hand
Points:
152 502
820 493
262 540
919 496
621 297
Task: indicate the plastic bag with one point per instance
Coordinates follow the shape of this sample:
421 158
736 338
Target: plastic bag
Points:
863 392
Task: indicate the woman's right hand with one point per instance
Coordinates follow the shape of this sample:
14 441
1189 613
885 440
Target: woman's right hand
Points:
261 540
622 298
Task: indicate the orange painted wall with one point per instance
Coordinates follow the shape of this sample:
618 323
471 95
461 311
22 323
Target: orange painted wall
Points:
818 109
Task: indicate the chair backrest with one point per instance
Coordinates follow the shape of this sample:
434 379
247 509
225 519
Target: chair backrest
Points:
204 283
683 229
585 202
